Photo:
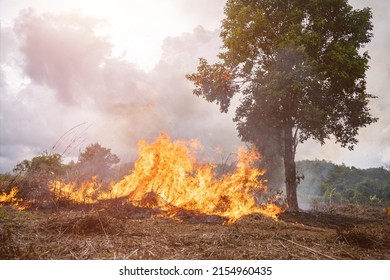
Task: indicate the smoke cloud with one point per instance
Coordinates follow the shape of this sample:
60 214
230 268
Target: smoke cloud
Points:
72 78
59 70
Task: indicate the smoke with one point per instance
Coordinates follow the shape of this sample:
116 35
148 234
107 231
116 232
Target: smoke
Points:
60 70
61 52
313 174
74 78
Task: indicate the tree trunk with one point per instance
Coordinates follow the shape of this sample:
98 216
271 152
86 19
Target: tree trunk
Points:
289 168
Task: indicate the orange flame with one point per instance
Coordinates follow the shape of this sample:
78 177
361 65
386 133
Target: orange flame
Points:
167 176
88 192
169 170
12 199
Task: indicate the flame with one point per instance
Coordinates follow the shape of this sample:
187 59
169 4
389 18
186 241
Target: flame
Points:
9 198
12 199
168 176
87 192
169 170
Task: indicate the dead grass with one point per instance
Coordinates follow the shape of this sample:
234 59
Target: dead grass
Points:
366 236
112 234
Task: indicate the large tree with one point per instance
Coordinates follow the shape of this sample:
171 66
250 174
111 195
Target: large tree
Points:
299 68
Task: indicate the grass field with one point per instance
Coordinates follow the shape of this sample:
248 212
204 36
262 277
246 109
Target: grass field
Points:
139 233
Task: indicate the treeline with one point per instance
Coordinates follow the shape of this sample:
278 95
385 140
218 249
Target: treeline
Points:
339 184
32 177
319 181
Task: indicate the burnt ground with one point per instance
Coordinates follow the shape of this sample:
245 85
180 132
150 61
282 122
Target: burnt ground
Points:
136 233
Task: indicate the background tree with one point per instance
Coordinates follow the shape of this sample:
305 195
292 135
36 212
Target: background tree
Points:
33 176
97 160
298 66
43 164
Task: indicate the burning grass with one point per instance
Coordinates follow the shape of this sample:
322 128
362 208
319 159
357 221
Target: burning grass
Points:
172 207
11 198
167 176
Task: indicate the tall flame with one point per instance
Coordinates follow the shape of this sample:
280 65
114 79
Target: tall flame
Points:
167 176
169 170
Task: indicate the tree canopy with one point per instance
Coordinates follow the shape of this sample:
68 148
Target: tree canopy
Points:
44 164
299 67
97 160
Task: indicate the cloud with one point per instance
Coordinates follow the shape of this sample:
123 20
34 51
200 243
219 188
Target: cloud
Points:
205 12
166 102
74 78
191 116
61 51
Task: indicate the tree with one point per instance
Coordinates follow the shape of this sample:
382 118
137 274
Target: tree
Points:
44 164
299 68
33 176
97 160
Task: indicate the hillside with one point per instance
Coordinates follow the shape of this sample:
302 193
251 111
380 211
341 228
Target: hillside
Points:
327 183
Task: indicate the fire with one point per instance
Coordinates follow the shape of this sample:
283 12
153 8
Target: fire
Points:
88 192
169 170
12 199
9 198
168 176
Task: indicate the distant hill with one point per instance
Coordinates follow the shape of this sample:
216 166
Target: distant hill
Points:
334 184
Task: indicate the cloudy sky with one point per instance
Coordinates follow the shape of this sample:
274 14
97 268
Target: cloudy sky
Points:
113 72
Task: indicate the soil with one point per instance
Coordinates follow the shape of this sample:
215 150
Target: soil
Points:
130 232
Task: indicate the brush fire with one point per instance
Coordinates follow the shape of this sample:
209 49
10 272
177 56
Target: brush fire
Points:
172 205
168 176
11 198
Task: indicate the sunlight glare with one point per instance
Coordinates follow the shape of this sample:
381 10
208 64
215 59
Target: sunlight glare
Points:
136 28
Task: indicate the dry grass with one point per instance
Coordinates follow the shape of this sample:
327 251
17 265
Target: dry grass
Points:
367 236
129 233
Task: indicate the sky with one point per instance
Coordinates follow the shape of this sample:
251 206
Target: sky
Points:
73 74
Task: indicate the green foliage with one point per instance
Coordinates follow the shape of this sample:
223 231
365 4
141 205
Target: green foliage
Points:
3 214
342 184
370 186
6 181
44 164
299 69
296 60
32 176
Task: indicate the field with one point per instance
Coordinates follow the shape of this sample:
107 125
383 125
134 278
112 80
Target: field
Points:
348 232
